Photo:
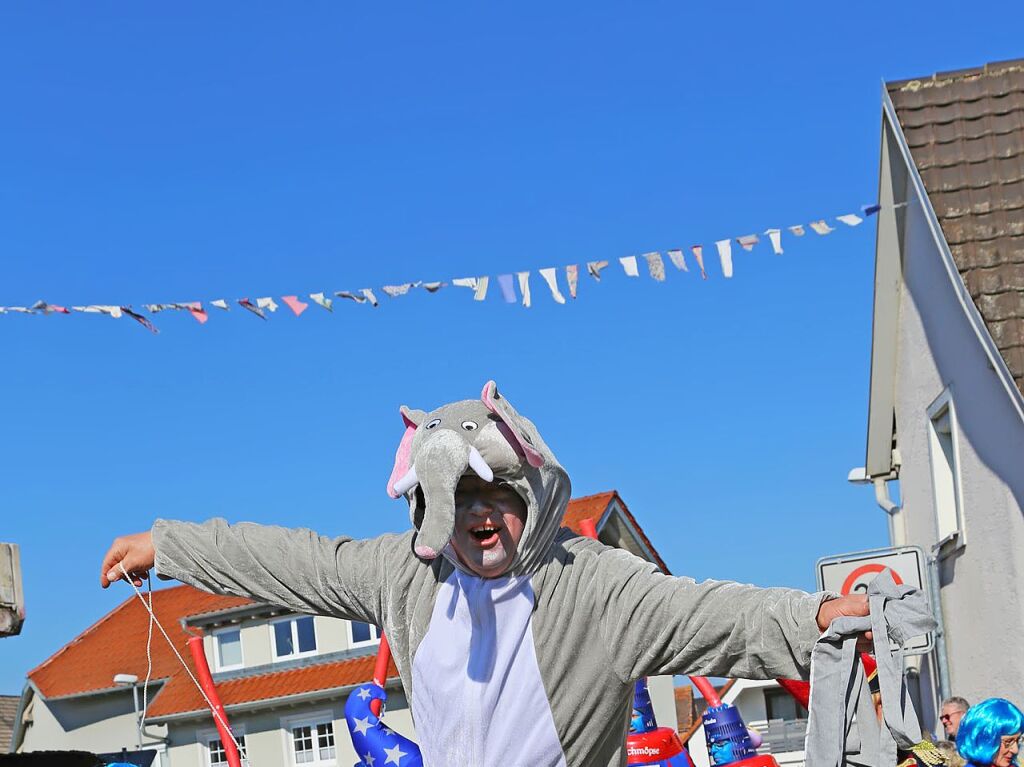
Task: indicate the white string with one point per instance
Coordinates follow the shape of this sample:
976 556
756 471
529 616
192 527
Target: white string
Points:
153 619
149 658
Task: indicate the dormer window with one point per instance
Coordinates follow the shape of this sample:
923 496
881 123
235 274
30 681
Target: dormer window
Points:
294 637
361 634
227 649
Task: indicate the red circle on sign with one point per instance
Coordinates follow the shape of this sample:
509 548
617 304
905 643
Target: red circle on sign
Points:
864 570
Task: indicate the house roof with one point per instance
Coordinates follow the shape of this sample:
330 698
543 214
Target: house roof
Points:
965 132
594 507
116 644
181 696
8 710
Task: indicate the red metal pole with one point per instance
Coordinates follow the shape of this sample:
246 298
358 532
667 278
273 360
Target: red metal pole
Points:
380 671
227 739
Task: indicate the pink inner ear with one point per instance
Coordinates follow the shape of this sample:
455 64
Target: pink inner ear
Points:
533 456
402 456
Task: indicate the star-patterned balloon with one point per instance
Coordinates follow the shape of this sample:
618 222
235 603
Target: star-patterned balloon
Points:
376 744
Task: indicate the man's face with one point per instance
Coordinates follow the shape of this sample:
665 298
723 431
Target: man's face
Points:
1009 745
489 521
950 718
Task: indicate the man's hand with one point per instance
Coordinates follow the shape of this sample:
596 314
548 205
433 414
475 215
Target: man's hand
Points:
854 605
135 552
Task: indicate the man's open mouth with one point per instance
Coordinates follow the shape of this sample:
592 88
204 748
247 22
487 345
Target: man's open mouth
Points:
485 534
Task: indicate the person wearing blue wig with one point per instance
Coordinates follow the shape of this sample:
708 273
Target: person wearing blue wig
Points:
990 733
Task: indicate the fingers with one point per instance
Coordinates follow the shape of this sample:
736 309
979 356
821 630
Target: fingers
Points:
109 570
134 554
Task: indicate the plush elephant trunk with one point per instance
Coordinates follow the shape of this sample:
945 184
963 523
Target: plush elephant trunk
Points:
439 465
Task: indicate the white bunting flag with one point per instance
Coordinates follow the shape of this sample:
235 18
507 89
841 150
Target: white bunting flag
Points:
594 269
821 227
549 277
266 303
655 266
369 296
113 311
397 290
359 299
433 287
629 266
220 303
524 287
747 241
572 276
481 289
850 219
465 282
698 254
775 235
798 230
322 300
677 260
45 308
725 255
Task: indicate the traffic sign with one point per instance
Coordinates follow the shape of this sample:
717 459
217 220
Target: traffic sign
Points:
851 574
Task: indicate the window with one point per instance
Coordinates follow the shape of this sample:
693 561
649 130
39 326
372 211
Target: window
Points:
779 704
218 757
944 450
362 633
227 649
313 743
294 637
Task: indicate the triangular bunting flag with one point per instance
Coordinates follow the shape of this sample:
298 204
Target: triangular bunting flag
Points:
798 230
629 266
747 241
297 306
850 219
549 277
594 269
775 236
323 301
725 256
698 254
655 266
820 227
524 287
572 276
245 303
508 291
677 260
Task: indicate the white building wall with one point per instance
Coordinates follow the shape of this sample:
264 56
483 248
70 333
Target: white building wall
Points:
332 635
99 723
268 742
982 582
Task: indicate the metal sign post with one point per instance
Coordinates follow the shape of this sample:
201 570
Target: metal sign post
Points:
851 574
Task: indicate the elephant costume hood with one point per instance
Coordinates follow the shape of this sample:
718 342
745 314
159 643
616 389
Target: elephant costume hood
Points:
488 437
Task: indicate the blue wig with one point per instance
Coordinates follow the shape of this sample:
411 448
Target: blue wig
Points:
983 726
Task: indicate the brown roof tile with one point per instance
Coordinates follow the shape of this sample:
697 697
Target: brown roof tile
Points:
965 131
8 710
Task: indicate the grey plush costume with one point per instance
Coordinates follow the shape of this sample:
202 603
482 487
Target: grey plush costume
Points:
573 622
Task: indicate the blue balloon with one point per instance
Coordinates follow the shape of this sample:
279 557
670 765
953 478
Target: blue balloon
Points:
376 744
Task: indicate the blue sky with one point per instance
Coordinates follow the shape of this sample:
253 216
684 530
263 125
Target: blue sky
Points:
194 152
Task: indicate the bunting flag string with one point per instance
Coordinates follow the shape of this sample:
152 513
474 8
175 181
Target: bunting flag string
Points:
507 283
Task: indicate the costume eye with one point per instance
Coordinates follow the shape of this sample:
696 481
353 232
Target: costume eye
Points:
433 423
469 425
526 437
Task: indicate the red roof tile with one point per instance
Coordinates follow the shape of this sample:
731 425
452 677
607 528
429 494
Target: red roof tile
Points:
180 695
116 644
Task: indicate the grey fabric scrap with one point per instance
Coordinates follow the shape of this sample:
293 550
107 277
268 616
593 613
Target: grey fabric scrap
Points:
897 613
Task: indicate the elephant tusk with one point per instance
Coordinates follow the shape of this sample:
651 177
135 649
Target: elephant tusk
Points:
408 481
479 465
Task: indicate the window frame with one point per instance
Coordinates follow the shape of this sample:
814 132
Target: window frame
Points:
945 405
354 643
312 720
216 634
295 638
205 737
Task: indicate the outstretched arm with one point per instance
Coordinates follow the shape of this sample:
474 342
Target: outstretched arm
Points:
294 568
653 623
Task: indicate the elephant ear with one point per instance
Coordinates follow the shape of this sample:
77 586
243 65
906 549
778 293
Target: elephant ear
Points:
412 420
515 431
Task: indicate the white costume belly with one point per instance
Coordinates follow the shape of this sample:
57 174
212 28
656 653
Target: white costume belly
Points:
478 698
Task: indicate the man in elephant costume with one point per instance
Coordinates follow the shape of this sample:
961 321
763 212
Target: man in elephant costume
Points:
517 641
